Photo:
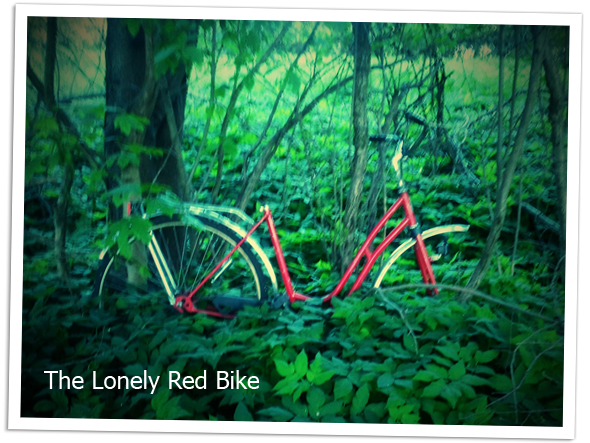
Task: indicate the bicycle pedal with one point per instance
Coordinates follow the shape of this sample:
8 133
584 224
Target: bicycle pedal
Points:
232 304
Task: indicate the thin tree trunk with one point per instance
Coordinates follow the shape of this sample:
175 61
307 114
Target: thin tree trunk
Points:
232 103
362 60
50 56
213 66
500 209
500 144
558 119
273 144
131 175
60 215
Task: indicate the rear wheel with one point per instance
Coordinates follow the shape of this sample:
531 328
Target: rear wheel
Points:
180 255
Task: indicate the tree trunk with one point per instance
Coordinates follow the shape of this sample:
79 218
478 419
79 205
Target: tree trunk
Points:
238 87
508 174
272 145
362 61
558 119
60 214
131 87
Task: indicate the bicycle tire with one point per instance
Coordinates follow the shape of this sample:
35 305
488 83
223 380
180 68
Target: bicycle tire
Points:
204 242
401 267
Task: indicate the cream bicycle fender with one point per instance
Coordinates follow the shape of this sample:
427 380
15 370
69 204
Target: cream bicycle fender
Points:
411 242
213 214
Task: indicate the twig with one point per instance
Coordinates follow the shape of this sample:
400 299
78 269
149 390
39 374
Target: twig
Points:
524 376
395 307
471 292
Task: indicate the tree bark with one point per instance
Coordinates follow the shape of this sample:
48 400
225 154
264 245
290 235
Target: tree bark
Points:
558 119
362 60
60 214
508 174
131 87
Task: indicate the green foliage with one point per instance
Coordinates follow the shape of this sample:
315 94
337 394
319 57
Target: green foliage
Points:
130 122
395 358
349 363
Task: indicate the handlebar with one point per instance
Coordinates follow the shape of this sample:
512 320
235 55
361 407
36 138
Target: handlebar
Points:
415 119
390 138
400 150
385 138
394 138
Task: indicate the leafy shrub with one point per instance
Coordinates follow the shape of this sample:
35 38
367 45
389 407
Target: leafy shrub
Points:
370 359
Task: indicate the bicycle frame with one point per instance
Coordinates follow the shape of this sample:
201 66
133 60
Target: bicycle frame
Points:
365 251
409 221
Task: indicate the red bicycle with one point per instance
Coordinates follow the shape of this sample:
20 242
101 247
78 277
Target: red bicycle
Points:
204 262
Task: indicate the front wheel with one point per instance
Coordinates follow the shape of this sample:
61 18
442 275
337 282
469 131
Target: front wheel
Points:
447 248
180 254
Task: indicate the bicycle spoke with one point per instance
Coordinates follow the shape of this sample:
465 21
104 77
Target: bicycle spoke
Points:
184 254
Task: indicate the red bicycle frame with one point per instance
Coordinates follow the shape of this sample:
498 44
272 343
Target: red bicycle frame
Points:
409 221
365 251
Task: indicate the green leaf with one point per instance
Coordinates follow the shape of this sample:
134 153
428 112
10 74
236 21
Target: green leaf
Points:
221 91
424 376
46 126
500 382
277 414
249 82
158 338
133 26
242 413
193 54
302 387
171 410
486 357
450 351
165 52
331 408
129 122
451 394
385 381
283 368
437 371
457 371
316 373
408 384
360 400
467 390
286 386
410 343
160 398
178 365
434 389
342 388
473 380
134 370
315 399
301 364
